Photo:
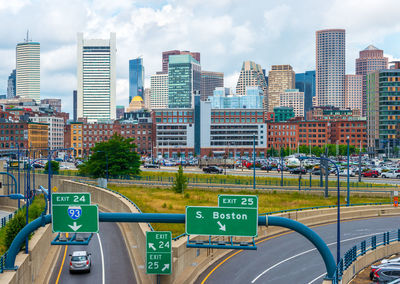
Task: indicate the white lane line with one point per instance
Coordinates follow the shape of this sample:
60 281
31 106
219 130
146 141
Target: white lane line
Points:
103 272
307 251
315 279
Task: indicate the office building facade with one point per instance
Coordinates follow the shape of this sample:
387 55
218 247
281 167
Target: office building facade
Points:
96 78
167 54
280 78
12 85
330 67
75 104
370 59
210 81
54 103
224 99
28 70
136 78
55 128
305 82
353 92
294 99
159 91
184 79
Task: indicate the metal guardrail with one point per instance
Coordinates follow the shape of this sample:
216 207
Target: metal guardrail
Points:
362 248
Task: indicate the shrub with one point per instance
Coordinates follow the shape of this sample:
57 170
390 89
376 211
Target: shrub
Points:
180 182
13 227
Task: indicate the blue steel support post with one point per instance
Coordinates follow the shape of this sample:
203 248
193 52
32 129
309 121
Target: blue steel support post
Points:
19 189
348 170
107 166
33 176
27 191
49 178
338 216
280 153
254 161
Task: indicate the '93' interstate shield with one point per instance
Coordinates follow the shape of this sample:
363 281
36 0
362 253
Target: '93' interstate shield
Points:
74 212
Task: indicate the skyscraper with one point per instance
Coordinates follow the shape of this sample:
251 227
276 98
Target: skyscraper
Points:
370 59
136 78
75 104
330 64
184 76
147 100
11 85
210 81
294 99
159 91
252 74
166 54
28 70
96 78
280 78
305 82
353 92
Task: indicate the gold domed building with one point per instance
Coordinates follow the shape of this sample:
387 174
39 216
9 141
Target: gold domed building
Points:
136 104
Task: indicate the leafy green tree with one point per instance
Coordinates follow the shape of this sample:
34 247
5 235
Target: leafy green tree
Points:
118 154
317 151
13 227
304 149
180 182
55 167
331 149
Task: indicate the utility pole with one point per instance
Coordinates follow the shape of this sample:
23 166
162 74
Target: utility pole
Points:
326 173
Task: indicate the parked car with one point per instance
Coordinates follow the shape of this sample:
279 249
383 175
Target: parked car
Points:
266 168
344 173
386 274
80 261
390 174
297 171
374 174
154 166
212 170
383 264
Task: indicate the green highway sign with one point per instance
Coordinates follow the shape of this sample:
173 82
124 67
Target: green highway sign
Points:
70 198
158 252
221 221
238 201
75 219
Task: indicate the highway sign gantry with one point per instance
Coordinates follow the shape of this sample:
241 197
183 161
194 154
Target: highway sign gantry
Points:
75 219
238 201
221 221
70 198
158 252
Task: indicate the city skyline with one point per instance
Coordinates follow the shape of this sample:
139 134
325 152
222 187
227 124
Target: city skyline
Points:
265 38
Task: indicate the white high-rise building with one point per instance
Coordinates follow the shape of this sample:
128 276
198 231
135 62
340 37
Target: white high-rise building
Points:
293 98
96 78
159 91
28 70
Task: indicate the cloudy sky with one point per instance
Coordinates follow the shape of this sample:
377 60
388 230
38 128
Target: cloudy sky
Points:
226 32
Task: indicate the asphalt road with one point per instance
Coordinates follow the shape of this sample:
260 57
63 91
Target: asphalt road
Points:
260 173
110 260
4 214
291 258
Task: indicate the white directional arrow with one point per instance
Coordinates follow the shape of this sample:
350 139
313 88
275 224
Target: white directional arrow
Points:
166 266
151 245
221 227
75 227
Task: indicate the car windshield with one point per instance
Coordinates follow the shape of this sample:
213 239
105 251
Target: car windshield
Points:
78 258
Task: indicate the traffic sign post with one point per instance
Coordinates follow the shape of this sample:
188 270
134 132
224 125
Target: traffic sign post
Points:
158 252
70 198
238 201
221 221
75 219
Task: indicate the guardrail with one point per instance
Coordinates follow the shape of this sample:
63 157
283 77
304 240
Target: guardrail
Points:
362 248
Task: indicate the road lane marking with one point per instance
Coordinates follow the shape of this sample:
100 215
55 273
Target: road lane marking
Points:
307 251
315 279
102 260
62 263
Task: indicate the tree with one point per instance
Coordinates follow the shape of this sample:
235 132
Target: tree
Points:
117 154
304 149
317 151
180 182
55 167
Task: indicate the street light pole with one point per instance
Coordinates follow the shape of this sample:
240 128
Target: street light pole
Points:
19 181
254 161
280 153
348 170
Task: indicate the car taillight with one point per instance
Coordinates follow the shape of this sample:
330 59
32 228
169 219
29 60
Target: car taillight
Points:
376 273
87 262
70 263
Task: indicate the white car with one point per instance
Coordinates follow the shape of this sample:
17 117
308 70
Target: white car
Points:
390 174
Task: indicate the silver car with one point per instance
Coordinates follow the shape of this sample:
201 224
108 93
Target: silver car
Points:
386 274
80 261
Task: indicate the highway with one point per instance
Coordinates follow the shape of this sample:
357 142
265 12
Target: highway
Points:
260 173
290 258
110 260
4 214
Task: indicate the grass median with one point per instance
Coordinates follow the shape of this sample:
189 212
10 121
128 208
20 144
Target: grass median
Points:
163 200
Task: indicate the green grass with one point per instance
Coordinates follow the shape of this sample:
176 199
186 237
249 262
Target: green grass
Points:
35 209
161 200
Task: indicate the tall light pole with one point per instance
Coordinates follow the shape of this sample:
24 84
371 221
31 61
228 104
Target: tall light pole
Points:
254 161
348 170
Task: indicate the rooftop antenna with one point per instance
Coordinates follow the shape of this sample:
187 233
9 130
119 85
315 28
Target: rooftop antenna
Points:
27 36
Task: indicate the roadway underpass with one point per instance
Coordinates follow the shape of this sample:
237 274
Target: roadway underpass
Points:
289 257
110 260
